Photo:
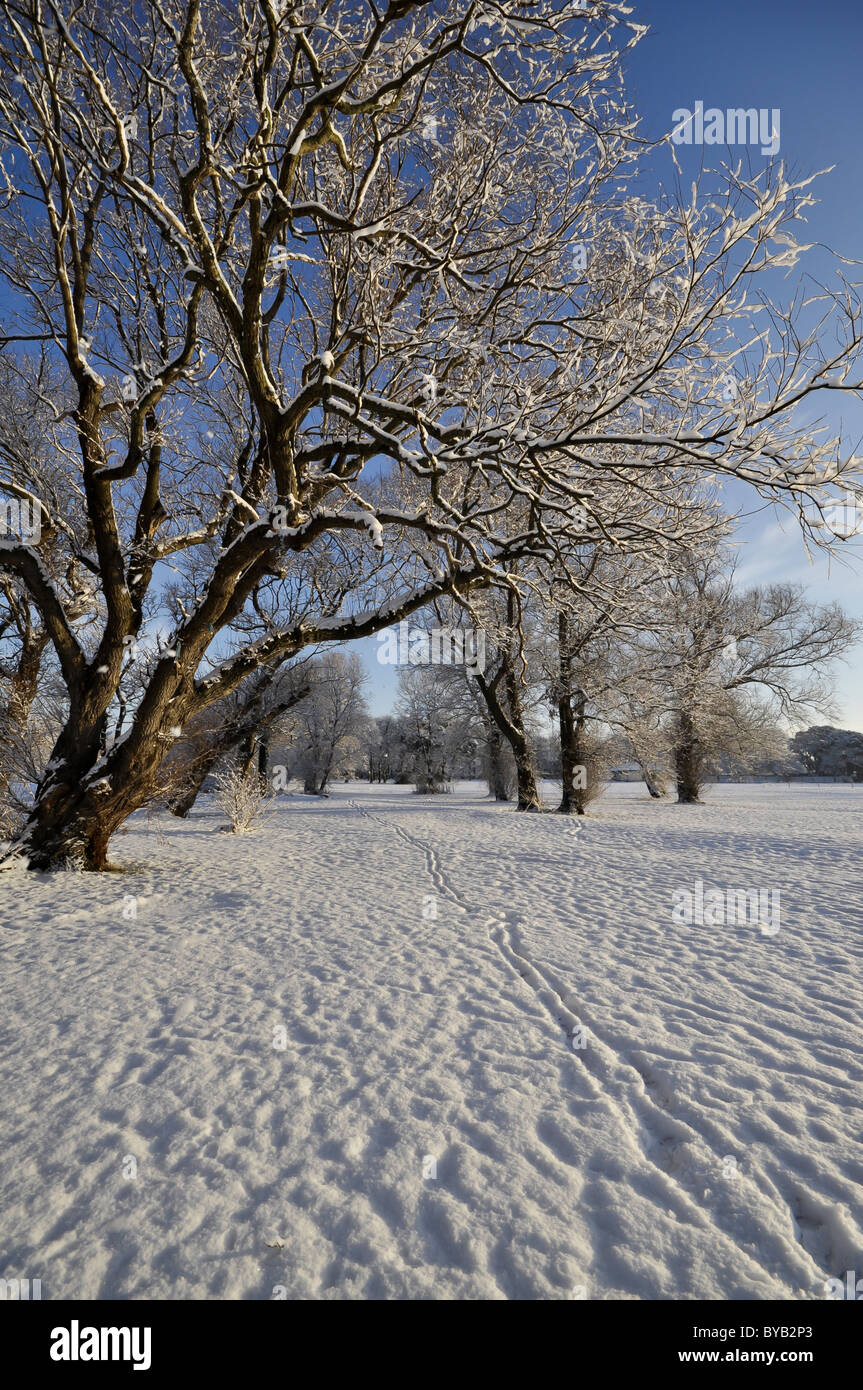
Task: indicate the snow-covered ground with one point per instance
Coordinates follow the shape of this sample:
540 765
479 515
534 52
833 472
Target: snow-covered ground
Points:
331 1092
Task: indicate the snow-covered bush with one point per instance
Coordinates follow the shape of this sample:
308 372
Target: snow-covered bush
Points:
242 795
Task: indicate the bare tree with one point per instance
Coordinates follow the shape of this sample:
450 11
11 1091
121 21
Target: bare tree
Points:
236 235
599 609
732 663
330 721
439 723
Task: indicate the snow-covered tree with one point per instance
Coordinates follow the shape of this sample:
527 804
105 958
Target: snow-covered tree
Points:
439 723
733 662
330 722
266 253
593 607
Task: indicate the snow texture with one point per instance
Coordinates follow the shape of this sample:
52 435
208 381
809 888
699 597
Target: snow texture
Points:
344 1053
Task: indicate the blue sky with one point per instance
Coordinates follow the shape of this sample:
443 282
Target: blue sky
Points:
805 60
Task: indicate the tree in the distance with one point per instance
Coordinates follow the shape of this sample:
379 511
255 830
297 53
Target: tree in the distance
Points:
439 723
330 721
734 662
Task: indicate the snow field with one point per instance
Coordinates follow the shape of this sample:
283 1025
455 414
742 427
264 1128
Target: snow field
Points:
401 1047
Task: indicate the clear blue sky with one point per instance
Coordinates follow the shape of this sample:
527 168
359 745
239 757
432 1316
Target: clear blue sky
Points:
804 59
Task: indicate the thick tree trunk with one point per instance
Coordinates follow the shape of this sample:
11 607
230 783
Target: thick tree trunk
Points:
573 801
528 792
315 782
687 762
88 791
80 805
87 794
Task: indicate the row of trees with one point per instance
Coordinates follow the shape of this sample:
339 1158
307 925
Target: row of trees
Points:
699 678
700 684
697 687
321 314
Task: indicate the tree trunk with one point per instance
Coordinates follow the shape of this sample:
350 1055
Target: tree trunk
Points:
497 772
87 794
248 747
570 712
528 792
687 762
197 776
82 802
651 784
511 724
573 801
264 758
